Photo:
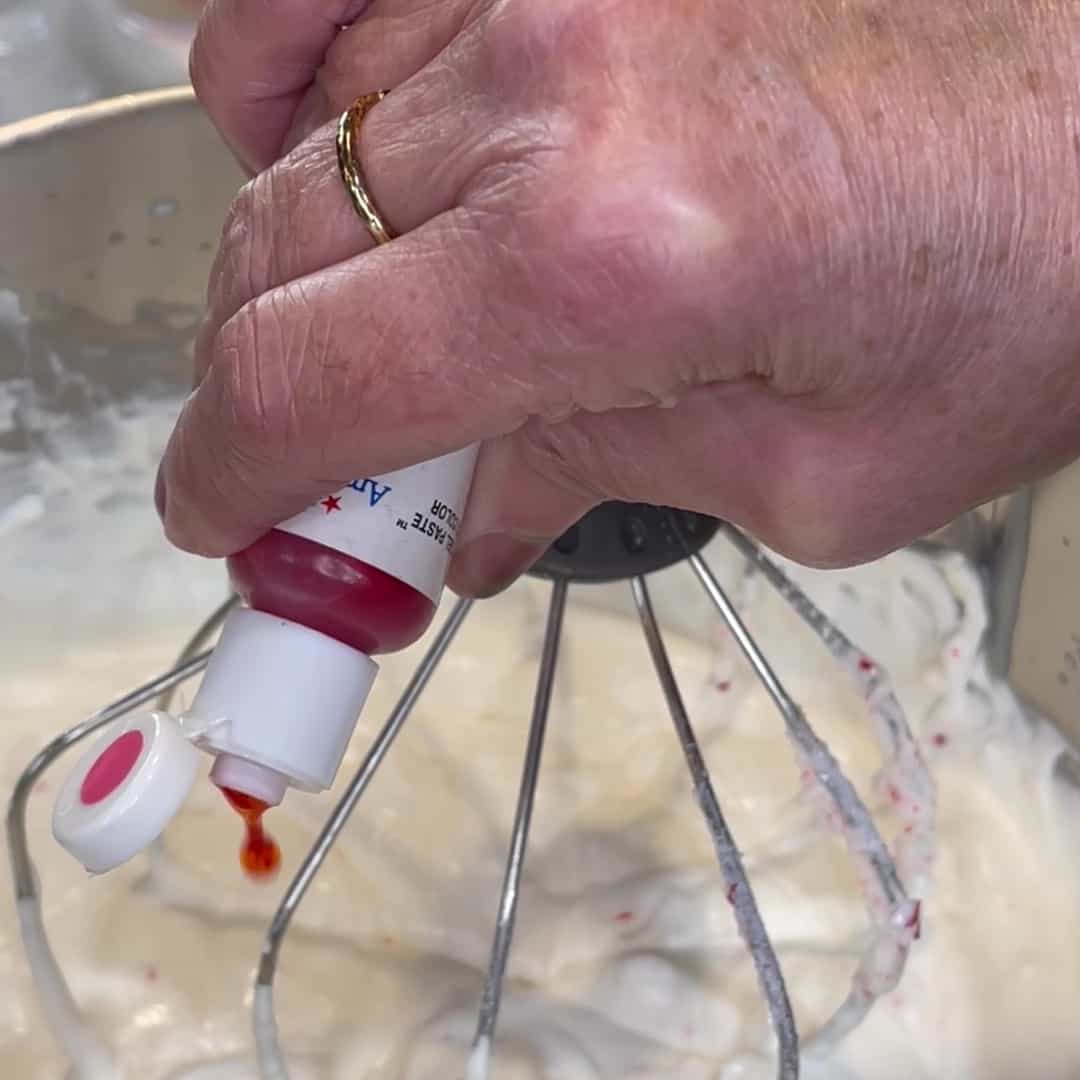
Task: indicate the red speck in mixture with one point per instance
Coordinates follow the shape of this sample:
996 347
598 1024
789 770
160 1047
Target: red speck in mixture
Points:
624 917
954 652
731 893
894 793
724 685
866 664
940 739
915 920
151 974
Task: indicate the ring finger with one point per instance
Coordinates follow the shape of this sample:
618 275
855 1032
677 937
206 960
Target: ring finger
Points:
254 65
386 47
418 149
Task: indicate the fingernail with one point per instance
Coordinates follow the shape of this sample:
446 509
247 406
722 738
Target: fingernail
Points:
490 563
160 494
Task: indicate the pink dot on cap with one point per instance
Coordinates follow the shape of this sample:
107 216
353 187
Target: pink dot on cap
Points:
112 767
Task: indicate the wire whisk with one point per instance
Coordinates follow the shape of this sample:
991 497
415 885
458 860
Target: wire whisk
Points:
895 915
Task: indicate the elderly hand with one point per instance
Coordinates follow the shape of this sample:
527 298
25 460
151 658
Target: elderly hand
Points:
808 267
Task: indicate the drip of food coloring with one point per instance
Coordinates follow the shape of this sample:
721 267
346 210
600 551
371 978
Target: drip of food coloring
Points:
259 856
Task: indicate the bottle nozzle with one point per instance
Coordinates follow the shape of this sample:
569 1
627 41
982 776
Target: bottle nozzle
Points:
232 773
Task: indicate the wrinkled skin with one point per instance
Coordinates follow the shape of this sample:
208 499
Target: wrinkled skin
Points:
811 267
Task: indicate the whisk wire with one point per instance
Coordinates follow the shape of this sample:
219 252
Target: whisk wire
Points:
83 1047
896 916
504 926
272 1065
816 755
740 893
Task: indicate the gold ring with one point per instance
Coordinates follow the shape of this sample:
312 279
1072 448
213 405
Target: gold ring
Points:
348 137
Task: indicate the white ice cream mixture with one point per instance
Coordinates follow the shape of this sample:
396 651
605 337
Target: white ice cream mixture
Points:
626 963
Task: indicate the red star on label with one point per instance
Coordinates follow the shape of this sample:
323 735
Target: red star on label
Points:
332 503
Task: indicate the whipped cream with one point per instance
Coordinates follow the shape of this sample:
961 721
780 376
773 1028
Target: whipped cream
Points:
627 962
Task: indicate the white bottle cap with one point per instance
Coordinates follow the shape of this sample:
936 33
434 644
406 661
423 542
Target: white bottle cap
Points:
277 705
279 696
124 791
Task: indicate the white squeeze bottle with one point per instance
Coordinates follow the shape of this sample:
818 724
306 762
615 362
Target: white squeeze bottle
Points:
357 574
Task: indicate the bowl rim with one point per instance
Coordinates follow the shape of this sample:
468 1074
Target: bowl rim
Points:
34 128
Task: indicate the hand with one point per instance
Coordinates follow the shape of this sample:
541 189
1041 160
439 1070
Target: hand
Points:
811 268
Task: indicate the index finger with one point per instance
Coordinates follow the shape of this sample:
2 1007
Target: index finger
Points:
253 60
359 369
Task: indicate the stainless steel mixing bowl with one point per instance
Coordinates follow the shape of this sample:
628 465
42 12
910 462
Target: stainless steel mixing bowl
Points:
109 216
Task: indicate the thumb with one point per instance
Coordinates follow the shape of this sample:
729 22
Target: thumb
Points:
718 450
521 500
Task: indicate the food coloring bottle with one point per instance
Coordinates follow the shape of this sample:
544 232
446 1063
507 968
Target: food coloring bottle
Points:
358 574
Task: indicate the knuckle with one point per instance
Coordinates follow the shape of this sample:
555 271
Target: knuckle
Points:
608 260
235 266
266 238
286 381
346 62
268 211
523 39
248 363
237 217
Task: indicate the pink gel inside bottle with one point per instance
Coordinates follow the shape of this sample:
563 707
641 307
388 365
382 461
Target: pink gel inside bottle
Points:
325 590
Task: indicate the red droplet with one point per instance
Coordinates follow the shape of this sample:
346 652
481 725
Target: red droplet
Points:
259 856
954 652
624 917
731 892
151 974
866 664
940 739
724 685
894 793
